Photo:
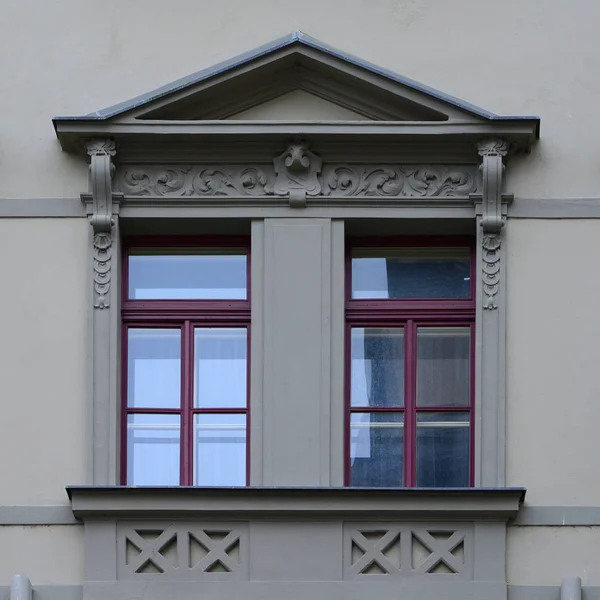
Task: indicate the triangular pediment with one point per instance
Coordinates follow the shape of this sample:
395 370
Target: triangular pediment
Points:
293 80
298 105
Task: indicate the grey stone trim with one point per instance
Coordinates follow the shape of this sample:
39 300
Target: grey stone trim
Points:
378 503
37 515
548 592
330 207
515 592
557 516
555 208
528 516
49 592
41 207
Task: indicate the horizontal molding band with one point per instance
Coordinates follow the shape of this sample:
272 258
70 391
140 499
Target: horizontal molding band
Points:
529 516
41 207
515 592
521 208
37 515
49 592
559 516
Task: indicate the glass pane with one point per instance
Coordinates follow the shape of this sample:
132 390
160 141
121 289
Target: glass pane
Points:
153 449
220 368
377 373
411 273
443 366
376 449
443 450
153 368
220 450
188 275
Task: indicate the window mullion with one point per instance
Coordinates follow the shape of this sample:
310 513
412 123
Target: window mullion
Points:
409 403
187 382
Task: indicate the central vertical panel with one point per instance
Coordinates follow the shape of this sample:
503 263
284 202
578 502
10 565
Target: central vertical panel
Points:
297 342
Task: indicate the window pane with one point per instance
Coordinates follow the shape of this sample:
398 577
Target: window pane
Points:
154 368
443 450
220 368
188 275
153 450
443 366
377 373
376 449
411 273
220 450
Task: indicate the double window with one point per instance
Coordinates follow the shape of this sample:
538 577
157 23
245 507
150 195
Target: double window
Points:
186 327
410 314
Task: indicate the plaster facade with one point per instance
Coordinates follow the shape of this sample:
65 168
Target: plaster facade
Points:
57 352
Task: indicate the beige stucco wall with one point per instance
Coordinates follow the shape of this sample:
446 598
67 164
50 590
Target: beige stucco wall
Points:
553 355
547 555
511 57
42 358
47 555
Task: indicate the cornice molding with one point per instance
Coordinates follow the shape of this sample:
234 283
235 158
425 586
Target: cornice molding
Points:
379 503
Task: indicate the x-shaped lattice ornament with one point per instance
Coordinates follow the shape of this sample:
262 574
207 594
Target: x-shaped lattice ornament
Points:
441 551
217 550
374 552
150 550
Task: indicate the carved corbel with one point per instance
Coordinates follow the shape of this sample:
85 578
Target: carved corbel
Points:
101 172
493 214
297 174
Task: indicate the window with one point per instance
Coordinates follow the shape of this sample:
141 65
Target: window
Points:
410 317
186 326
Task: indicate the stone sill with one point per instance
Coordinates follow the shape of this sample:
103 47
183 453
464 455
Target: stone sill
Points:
95 502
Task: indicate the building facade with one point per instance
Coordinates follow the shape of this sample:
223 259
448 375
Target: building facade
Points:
295 324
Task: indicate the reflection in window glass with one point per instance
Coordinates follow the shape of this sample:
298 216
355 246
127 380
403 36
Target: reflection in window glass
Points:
153 449
388 273
153 368
220 449
376 449
443 449
187 275
443 366
377 373
220 367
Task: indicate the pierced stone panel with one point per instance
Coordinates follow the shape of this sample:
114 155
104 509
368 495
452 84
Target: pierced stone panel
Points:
406 550
183 551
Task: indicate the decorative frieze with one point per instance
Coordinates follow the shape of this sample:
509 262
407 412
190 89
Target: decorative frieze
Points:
335 180
298 173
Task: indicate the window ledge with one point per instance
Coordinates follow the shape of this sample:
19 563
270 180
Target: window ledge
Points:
498 504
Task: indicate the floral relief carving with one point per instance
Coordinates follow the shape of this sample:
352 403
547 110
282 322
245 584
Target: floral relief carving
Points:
491 269
407 181
102 265
302 175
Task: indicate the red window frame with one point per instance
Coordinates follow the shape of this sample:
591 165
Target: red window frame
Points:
409 314
185 315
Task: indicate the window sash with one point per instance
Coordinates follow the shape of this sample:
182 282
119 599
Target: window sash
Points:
188 317
411 315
